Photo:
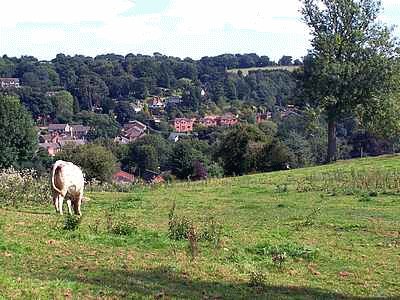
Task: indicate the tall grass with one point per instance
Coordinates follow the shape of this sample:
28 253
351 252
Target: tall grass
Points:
21 186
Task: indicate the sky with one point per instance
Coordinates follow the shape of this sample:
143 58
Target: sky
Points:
182 28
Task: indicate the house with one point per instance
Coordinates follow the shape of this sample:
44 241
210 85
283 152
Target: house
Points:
74 142
137 107
175 136
60 128
51 148
228 120
123 177
287 111
173 101
7 83
210 121
183 124
152 177
121 140
260 117
49 138
135 124
79 131
157 103
134 130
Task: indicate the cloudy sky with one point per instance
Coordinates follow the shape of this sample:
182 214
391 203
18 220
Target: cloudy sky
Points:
184 28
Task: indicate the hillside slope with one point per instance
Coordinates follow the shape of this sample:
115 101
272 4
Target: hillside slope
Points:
317 233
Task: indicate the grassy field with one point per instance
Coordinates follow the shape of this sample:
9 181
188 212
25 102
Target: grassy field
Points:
246 71
327 232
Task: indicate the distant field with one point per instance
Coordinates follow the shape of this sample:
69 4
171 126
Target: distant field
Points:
327 232
245 71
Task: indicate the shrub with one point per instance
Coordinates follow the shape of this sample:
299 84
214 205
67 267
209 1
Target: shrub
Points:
23 186
212 232
178 227
71 222
257 279
120 227
193 240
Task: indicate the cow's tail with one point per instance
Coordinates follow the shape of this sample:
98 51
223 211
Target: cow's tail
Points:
57 165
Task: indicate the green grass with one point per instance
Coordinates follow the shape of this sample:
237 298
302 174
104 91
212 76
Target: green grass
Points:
246 71
337 228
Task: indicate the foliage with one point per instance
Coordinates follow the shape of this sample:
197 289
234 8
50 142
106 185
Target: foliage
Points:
96 161
352 62
72 222
63 104
17 134
23 186
102 126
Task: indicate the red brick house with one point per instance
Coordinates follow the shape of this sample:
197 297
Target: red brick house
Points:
260 117
228 120
123 177
210 121
183 124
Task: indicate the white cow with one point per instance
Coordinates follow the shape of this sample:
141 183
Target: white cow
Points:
67 178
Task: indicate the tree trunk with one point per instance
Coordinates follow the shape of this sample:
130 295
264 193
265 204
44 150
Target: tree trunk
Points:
331 141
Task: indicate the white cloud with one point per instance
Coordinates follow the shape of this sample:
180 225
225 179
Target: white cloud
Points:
60 11
186 28
258 15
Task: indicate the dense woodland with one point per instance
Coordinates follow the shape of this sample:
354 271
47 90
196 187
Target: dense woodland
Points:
98 92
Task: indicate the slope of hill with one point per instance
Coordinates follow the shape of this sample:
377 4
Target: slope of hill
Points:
318 233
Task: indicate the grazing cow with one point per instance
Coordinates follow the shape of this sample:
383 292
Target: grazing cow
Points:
67 179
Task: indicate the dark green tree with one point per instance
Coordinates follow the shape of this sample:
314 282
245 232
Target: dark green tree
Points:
352 61
102 126
17 133
237 146
96 161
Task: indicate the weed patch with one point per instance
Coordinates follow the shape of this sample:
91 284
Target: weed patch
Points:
290 249
72 222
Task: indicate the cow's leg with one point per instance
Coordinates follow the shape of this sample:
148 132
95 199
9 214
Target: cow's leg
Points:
69 206
78 203
55 201
60 203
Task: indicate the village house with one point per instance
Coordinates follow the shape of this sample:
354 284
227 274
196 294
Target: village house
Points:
152 177
60 128
224 120
173 101
7 83
183 124
134 130
51 148
209 121
79 131
137 107
176 136
123 177
287 111
260 117
228 120
157 103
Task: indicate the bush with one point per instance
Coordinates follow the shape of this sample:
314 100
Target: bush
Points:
178 227
96 161
71 222
23 186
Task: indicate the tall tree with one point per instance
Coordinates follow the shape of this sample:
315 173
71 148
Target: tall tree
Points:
352 61
17 133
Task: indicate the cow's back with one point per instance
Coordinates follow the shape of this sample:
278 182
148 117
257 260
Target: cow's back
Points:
69 178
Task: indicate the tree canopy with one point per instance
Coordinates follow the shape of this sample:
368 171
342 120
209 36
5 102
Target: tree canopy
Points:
17 134
352 61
